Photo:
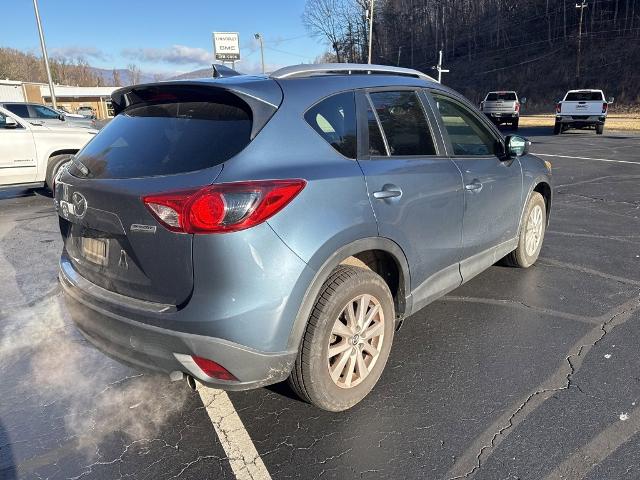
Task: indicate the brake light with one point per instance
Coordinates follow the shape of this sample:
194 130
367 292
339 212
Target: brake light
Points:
605 106
558 107
213 369
517 107
226 207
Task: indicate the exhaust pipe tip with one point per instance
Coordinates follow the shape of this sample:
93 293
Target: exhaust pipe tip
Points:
191 382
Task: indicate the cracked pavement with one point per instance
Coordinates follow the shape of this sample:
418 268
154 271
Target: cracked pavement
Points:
517 374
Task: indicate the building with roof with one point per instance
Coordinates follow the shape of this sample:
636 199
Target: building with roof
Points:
69 97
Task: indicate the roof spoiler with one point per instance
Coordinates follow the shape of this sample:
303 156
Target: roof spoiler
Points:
262 96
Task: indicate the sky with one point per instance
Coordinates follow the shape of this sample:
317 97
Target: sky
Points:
161 36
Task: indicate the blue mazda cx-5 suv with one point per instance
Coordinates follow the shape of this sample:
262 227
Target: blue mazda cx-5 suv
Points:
244 230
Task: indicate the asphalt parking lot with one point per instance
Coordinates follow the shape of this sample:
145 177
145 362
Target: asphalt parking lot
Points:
517 374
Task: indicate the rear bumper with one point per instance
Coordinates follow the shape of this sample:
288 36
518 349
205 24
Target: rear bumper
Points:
155 348
499 117
586 121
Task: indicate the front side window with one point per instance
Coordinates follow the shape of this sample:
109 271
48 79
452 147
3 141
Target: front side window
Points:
334 119
469 137
19 109
44 112
403 122
376 142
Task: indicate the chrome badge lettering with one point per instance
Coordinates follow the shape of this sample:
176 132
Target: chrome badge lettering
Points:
137 227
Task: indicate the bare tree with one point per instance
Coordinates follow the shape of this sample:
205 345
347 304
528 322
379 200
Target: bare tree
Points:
116 78
134 73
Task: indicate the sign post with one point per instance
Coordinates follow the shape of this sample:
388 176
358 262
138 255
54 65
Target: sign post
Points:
226 46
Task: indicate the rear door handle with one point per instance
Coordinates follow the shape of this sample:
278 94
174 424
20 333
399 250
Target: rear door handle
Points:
474 186
391 193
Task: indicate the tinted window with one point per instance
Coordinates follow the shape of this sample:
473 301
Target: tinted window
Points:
468 135
334 118
166 138
44 112
584 96
376 143
493 96
403 123
19 109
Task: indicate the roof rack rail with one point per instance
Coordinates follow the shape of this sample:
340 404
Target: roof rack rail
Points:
309 70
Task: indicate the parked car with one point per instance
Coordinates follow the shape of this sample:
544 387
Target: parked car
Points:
195 244
87 112
32 155
582 109
38 114
65 111
502 107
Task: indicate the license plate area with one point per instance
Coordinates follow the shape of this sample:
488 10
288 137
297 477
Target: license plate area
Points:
95 250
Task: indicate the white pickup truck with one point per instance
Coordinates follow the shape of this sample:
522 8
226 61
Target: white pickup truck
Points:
502 107
582 109
32 155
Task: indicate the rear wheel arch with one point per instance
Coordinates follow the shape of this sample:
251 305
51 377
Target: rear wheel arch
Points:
379 254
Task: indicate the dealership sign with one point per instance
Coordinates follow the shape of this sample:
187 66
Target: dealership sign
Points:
226 45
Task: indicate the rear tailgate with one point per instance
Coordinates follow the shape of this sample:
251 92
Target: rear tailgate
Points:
584 107
500 106
167 138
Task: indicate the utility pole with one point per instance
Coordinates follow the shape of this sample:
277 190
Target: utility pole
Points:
258 37
370 30
44 55
399 52
581 6
439 67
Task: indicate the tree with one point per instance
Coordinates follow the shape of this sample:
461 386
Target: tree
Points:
116 78
134 74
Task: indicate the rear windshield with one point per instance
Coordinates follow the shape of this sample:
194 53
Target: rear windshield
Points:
584 96
493 96
168 133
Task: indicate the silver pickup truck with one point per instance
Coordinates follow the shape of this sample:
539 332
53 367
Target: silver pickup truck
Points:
502 107
582 109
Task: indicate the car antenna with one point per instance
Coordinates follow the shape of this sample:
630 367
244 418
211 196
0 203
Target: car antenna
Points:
222 71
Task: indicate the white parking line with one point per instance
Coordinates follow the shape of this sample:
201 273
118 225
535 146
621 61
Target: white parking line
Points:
586 158
241 452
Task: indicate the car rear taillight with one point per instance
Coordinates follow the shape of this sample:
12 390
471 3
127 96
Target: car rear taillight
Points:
213 369
558 107
226 207
605 106
517 107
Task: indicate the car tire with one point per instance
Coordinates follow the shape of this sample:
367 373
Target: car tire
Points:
600 129
557 128
531 236
53 168
344 386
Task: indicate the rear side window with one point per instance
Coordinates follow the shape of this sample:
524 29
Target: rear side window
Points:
403 122
494 96
20 110
334 119
584 97
169 133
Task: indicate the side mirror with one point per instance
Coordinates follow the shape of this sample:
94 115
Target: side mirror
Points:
62 117
610 101
516 146
10 122
523 100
